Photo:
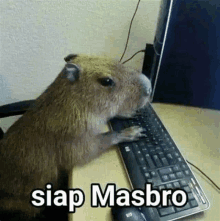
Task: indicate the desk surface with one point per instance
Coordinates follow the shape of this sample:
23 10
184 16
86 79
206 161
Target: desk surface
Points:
196 132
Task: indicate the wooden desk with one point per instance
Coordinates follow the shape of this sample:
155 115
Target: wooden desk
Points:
196 132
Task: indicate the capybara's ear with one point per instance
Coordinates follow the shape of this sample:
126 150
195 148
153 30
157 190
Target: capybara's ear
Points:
70 57
71 72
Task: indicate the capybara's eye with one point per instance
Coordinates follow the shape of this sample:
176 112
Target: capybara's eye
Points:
107 82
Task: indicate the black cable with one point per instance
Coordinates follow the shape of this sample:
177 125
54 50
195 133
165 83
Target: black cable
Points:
204 175
126 45
133 56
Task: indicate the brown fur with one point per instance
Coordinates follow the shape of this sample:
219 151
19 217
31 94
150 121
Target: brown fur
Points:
61 130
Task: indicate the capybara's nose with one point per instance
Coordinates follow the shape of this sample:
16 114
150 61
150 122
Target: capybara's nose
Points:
146 85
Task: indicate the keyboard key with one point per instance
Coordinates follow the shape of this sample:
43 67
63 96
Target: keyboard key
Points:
165 178
172 176
147 140
141 161
193 203
141 144
164 161
143 123
172 148
158 149
161 154
176 185
180 159
176 168
137 152
157 161
163 145
176 154
170 158
183 183
190 196
187 189
184 166
149 146
179 175
149 161
144 169
166 211
135 147
166 149
165 171
152 151
147 175
144 150
153 174
149 181
187 206
169 186
187 172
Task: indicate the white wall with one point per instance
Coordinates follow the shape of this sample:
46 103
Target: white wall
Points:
37 34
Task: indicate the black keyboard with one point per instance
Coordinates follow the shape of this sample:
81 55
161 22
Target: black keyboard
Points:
156 159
